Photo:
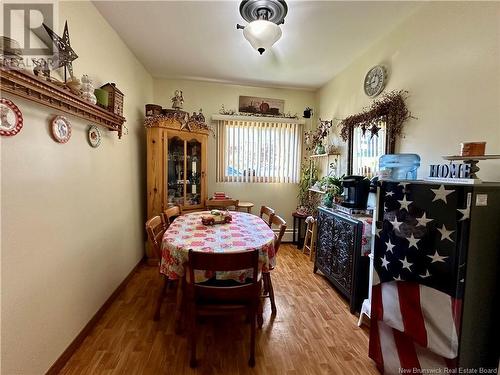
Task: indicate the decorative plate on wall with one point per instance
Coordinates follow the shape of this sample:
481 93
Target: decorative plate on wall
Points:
94 136
11 118
61 129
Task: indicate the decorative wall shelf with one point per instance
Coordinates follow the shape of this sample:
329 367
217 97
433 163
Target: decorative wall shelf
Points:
323 155
317 191
29 86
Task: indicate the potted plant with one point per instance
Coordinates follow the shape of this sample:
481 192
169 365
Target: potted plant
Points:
308 177
332 186
314 138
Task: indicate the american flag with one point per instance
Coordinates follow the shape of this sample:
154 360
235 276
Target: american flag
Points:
418 281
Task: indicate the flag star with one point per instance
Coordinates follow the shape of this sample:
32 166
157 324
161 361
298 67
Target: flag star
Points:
377 231
389 193
423 220
385 262
445 234
406 264
427 274
390 246
404 204
465 212
396 223
437 258
397 278
441 193
413 241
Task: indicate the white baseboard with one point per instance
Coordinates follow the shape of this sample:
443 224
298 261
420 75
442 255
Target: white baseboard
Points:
288 236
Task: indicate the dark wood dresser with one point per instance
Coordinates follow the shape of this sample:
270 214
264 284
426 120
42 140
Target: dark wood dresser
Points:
339 254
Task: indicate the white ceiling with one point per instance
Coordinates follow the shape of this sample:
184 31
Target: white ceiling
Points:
199 40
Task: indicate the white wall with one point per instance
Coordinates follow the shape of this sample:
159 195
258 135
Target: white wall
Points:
72 216
447 55
210 96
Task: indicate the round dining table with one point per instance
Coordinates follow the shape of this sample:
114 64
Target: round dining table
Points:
244 232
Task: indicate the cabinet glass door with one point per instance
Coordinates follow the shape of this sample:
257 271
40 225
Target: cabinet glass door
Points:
193 173
175 173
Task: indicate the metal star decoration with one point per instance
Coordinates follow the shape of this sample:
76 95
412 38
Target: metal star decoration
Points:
64 54
374 129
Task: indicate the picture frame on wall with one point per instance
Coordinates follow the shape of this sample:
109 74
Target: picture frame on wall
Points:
264 106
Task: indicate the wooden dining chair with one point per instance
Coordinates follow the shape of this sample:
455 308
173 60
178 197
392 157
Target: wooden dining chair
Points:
268 285
170 214
155 227
269 212
223 297
221 204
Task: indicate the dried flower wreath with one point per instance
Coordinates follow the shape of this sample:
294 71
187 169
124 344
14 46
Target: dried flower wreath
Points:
391 107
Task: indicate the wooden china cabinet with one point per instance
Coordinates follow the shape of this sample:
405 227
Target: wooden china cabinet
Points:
176 167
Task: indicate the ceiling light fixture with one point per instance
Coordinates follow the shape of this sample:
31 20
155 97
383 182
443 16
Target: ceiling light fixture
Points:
263 17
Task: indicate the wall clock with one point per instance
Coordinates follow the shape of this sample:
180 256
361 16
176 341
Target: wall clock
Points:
375 80
61 129
11 118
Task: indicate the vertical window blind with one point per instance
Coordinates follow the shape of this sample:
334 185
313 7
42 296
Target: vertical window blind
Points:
258 151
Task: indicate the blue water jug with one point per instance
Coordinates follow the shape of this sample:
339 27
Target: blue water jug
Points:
399 166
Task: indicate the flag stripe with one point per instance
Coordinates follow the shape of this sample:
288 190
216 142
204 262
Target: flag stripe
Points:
390 301
439 323
406 350
377 310
429 360
391 358
409 300
374 349
457 312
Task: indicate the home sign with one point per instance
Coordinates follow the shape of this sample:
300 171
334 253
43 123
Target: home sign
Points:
451 170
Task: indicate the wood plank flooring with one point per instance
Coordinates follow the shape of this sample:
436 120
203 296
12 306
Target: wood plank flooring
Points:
312 333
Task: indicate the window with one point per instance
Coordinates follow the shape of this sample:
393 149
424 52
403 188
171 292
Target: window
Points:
366 149
258 151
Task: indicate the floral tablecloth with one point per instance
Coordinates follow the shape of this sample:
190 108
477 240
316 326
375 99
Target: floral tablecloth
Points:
366 236
245 232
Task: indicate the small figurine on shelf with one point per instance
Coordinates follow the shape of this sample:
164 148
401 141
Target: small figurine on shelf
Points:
177 100
115 98
41 67
88 90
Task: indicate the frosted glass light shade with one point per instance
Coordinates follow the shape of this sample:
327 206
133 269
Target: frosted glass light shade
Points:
262 34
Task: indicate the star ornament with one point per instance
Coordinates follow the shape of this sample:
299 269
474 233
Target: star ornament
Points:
465 213
437 258
413 241
426 275
406 264
396 223
385 262
423 220
441 193
404 203
390 246
64 55
445 233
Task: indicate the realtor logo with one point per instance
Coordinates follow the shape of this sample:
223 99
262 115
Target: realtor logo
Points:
23 23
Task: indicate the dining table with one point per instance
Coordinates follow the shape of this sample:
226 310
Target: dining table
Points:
245 232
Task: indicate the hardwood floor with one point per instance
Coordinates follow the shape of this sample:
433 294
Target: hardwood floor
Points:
312 333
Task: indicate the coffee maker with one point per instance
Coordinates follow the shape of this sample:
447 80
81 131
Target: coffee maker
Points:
356 189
